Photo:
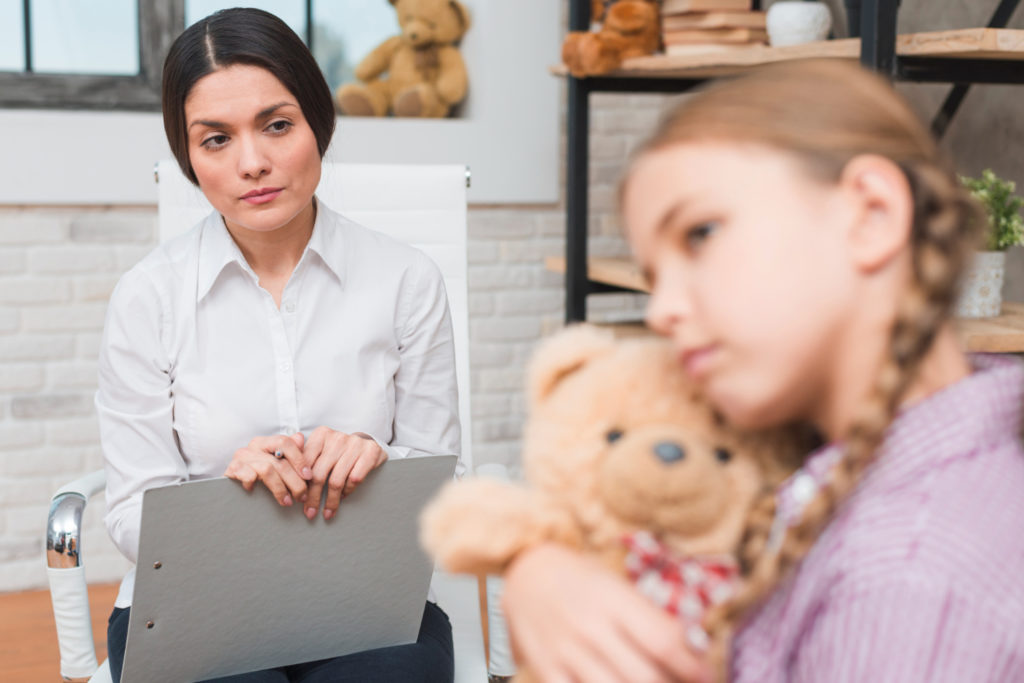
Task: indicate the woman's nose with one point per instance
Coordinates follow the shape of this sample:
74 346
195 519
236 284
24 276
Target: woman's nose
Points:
252 162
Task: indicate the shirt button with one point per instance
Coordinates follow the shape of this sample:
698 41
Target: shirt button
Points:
289 307
288 431
286 366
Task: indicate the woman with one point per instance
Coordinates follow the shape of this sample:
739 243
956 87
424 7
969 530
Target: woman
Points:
307 346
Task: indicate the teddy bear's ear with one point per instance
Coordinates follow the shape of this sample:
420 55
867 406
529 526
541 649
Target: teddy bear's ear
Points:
563 354
462 13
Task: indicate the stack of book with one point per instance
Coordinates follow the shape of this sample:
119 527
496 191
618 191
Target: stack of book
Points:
693 26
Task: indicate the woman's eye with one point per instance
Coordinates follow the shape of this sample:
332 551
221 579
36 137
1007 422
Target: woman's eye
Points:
279 126
214 142
697 235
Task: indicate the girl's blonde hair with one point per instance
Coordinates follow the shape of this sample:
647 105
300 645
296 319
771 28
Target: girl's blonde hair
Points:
826 113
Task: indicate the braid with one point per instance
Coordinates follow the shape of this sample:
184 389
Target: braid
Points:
944 230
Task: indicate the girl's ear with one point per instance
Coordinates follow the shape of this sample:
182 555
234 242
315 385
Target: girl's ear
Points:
884 210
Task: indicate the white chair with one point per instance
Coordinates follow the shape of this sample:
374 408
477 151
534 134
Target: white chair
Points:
422 205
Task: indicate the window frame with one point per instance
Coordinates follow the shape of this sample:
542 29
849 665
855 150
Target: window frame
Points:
160 21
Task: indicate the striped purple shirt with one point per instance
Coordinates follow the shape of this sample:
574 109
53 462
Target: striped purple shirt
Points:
920 576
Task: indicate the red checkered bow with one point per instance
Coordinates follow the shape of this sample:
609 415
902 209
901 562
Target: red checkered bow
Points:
684 586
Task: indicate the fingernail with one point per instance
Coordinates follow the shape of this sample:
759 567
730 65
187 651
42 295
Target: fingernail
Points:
307 473
287 500
310 513
328 514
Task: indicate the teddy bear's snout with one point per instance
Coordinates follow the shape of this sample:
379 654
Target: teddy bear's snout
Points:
669 452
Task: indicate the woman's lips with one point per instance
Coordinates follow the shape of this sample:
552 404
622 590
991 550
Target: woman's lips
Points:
262 196
697 361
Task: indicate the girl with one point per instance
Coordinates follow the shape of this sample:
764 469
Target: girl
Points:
803 237
277 342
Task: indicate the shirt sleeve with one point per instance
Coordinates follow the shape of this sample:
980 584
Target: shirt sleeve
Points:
906 629
426 394
135 407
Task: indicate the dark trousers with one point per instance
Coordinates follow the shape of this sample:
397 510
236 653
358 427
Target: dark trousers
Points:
430 659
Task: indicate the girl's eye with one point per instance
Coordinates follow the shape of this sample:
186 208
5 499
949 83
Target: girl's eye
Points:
214 142
279 126
697 235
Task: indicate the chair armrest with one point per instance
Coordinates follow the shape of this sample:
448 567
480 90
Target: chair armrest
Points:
68 590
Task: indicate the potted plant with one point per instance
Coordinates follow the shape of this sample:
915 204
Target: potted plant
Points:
793 22
982 288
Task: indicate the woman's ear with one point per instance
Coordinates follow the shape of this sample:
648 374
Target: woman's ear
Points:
883 210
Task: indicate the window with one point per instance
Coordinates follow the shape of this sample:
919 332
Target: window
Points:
108 54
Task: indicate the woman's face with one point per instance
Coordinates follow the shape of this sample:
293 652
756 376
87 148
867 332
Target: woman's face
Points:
253 152
744 253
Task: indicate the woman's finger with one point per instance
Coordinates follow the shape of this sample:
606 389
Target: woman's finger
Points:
283 447
242 473
336 482
370 458
297 486
268 474
321 471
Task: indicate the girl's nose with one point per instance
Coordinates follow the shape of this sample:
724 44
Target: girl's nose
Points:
668 306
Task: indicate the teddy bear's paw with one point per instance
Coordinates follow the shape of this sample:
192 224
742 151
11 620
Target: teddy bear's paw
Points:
478 526
354 100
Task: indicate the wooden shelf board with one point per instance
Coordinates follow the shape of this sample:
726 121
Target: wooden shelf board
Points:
1001 334
968 43
610 271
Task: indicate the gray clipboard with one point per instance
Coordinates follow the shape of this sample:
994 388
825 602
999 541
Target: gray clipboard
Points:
229 581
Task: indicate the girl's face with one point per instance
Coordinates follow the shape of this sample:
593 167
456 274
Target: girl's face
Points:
750 279
253 152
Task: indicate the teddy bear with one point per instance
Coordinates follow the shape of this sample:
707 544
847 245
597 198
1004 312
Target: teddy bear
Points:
426 75
631 28
626 462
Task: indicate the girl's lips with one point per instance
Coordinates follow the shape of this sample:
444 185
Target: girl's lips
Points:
697 361
263 197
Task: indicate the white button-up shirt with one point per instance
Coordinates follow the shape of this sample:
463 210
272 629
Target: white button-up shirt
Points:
197 359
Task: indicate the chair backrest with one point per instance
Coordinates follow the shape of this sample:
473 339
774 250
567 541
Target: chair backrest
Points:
422 205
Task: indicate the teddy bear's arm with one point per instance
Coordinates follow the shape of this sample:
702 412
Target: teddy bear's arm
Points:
478 526
453 81
378 61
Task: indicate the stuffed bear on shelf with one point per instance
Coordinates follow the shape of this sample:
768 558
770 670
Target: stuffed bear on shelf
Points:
630 28
426 75
625 462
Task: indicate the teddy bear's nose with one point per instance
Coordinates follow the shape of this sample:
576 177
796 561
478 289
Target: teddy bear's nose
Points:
669 452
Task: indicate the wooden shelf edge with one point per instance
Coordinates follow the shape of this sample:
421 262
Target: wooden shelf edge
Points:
966 43
618 272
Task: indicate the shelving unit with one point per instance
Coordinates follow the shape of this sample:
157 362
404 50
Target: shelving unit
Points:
961 57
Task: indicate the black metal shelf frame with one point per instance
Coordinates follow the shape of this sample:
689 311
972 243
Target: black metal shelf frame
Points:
877 30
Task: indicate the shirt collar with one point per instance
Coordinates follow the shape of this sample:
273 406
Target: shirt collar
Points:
973 415
327 240
218 249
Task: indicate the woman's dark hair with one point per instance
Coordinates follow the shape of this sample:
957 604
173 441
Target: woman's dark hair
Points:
242 36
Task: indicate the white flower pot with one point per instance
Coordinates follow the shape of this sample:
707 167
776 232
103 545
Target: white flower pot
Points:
981 292
793 23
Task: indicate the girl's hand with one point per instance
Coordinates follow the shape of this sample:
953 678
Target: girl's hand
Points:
570 619
341 461
285 476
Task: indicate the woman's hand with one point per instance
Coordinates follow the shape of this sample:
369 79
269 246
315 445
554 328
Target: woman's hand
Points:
285 476
341 461
570 619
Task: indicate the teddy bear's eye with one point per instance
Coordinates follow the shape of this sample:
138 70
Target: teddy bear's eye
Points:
722 455
613 435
